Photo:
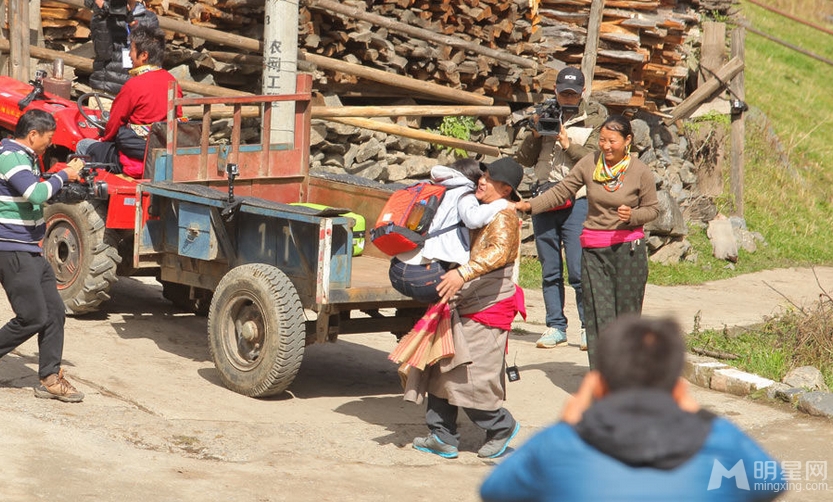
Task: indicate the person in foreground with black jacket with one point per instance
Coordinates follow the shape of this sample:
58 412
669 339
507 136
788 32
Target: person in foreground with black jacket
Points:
633 432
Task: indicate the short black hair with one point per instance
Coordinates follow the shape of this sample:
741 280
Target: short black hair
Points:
638 352
34 120
150 40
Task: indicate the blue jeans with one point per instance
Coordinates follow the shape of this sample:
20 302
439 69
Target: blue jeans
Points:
417 281
554 231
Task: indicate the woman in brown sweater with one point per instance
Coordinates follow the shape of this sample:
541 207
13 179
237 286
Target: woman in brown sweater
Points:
621 196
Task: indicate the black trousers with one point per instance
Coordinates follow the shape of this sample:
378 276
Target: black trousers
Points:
441 417
32 290
127 142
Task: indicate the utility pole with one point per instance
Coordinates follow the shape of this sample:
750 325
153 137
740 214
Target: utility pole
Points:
19 40
280 58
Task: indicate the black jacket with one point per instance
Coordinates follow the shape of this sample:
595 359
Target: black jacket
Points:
110 35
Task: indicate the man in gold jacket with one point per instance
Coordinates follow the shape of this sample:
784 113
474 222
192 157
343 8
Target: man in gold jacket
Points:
484 301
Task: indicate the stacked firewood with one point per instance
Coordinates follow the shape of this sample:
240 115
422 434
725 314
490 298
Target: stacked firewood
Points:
498 24
62 22
641 61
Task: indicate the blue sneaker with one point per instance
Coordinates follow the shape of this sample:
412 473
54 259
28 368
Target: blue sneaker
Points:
433 444
495 447
552 337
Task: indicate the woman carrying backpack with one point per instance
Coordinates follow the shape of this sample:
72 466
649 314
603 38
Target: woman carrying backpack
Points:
417 273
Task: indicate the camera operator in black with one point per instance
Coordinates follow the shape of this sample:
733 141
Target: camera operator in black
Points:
110 28
553 155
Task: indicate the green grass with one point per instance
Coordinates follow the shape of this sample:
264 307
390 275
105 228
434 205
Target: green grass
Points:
798 337
756 353
792 205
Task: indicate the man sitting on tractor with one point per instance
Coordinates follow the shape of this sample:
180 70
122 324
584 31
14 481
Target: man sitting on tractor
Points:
142 101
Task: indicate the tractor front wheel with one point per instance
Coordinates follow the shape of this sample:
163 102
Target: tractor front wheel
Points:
84 261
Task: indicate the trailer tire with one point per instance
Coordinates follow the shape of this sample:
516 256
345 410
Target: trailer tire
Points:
76 246
256 333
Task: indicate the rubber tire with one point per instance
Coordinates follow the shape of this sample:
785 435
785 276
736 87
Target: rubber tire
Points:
84 262
263 297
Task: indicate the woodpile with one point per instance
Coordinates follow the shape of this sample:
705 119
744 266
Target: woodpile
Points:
520 44
641 60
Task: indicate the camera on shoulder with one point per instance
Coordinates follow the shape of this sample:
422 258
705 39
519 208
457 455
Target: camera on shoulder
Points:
549 118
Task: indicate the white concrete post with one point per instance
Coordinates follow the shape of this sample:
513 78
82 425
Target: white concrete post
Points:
280 56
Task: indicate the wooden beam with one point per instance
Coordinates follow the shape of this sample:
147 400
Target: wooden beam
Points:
437 91
591 49
720 78
712 50
420 33
407 132
77 62
410 111
738 129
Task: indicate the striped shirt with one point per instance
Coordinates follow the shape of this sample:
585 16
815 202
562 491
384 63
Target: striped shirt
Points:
21 196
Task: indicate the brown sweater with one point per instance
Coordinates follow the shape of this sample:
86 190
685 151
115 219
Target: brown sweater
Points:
638 191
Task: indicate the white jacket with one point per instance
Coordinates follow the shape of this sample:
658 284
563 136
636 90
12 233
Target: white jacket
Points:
458 204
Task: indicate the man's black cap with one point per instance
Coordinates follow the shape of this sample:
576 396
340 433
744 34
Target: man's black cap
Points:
506 170
569 79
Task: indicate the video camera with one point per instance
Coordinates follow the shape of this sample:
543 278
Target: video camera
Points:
549 118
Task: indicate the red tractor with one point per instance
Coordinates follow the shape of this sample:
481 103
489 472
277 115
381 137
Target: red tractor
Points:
87 236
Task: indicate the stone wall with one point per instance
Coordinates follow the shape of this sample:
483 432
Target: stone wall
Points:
687 165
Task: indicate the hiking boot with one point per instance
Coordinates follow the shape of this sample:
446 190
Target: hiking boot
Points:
552 337
433 444
583 344
55 386
496 446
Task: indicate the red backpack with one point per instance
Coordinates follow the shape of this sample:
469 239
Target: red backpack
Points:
404 221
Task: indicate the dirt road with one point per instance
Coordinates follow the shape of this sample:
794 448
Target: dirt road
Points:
157 425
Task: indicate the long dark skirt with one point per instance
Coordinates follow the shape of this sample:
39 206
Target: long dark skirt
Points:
613 282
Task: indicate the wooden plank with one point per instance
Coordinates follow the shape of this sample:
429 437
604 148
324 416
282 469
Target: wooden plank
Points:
738 128
713 47
588 62
724 74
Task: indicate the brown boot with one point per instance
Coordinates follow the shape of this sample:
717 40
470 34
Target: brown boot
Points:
55 386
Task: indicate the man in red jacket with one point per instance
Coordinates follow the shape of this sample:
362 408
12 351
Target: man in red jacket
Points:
142 101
